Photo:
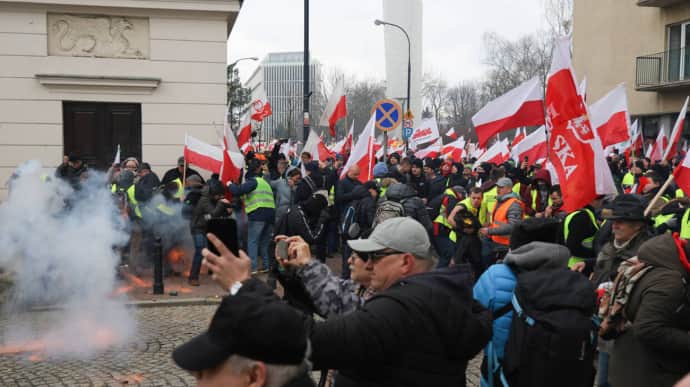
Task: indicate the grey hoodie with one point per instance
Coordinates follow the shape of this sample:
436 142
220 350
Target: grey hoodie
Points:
538 255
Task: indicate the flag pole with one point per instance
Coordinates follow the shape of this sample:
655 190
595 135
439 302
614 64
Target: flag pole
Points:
658 194
184 173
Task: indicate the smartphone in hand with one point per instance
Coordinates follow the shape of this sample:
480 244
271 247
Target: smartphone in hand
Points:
282 250
224 229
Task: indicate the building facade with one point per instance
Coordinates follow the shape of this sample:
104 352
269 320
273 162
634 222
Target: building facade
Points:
639 42
281 76
82 77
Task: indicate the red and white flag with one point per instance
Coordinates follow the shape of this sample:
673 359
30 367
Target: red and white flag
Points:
363 153
432 150
261 107
656 151
533 147
637 140
233 160
427 131
682 174
582 89
672 148
609 117
497 154
203 155
519 136
454 149
336 108
521 106
316 147
451 133
574 151
244 135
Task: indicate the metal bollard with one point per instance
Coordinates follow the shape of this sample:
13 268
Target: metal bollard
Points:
158 287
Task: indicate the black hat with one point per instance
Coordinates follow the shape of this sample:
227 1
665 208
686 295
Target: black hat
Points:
145 166
312 166
74 157
145 187
625 207
394 155
253 165
535 230
252 327
215 187
418 163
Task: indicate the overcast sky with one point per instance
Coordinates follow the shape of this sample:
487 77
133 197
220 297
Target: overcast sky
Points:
343 34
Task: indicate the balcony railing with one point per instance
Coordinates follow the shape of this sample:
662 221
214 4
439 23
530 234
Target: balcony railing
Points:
658 3
664 70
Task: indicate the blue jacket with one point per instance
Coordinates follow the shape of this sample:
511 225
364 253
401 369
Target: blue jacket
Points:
494 290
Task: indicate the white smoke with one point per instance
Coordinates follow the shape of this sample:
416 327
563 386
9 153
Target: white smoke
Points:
60 246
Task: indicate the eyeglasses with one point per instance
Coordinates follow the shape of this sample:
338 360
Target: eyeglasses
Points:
376 256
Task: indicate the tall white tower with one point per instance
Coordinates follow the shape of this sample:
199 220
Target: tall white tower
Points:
408 15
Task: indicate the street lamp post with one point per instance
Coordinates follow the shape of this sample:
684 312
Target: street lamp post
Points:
409 64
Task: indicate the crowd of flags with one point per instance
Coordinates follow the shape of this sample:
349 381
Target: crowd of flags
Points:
571 139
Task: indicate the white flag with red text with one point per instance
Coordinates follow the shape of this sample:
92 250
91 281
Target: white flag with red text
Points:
427 131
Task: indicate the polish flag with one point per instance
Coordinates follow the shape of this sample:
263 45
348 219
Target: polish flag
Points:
521 106
454 149
656 151
316 147
451 133
519 136
532 147
203 155
682 174
497 154
672 148
475 150
336 108
609 116
260 107
574 149
363 153
233 160
432 150
244 135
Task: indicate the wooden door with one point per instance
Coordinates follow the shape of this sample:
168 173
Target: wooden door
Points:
93 131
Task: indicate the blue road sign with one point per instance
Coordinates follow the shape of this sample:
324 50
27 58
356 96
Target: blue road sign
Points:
388 114
407 133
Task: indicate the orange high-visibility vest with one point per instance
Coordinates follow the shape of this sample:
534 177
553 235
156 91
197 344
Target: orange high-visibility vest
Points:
500 218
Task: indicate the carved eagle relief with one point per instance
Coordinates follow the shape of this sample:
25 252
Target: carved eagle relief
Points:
95 36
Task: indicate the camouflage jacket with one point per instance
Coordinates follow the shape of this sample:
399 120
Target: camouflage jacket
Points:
332 295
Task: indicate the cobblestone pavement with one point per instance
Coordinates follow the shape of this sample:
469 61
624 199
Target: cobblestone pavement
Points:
145 362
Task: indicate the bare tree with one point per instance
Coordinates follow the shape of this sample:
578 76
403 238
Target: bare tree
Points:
513 62
559 16
463 103
361 96
435 93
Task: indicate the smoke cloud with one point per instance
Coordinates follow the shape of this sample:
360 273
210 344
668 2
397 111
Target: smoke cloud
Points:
60 247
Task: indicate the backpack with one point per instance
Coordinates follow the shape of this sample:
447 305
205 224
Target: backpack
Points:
388 209
552 335
349 227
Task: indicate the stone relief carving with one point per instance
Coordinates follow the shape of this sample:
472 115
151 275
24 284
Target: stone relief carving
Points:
98 36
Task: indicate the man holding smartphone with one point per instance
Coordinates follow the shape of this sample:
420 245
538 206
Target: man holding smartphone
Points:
421 329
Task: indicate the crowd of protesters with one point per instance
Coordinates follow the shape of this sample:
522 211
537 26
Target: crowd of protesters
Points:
440 260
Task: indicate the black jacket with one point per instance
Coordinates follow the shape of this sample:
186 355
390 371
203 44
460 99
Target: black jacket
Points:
420 185
414 206
437 186
421 331
343 193
174 173
297 222
366 209
206 209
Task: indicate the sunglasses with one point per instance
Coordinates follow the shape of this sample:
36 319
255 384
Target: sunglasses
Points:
376 256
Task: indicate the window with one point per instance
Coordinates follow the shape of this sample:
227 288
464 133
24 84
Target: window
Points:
678 58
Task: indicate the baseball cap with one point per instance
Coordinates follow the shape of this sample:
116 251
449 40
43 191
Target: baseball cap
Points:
402 234
249 326
504 182
180 161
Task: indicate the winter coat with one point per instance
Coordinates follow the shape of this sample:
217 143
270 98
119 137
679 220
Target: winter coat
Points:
514 215
366 209
495 287
437 186
307 186
283 193
610 257
542 197
422 331
343 193
206 209
419 184
191 199
414 206
330 294
297 222
655 350
174 173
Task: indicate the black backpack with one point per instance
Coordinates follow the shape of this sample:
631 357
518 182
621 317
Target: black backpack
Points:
553 335
387 209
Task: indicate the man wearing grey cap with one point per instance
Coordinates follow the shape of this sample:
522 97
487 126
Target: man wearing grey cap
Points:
420 329
509 211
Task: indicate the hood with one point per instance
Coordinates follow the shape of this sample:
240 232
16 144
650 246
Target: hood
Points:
661 251
542 174
537 255
399 191
507 196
